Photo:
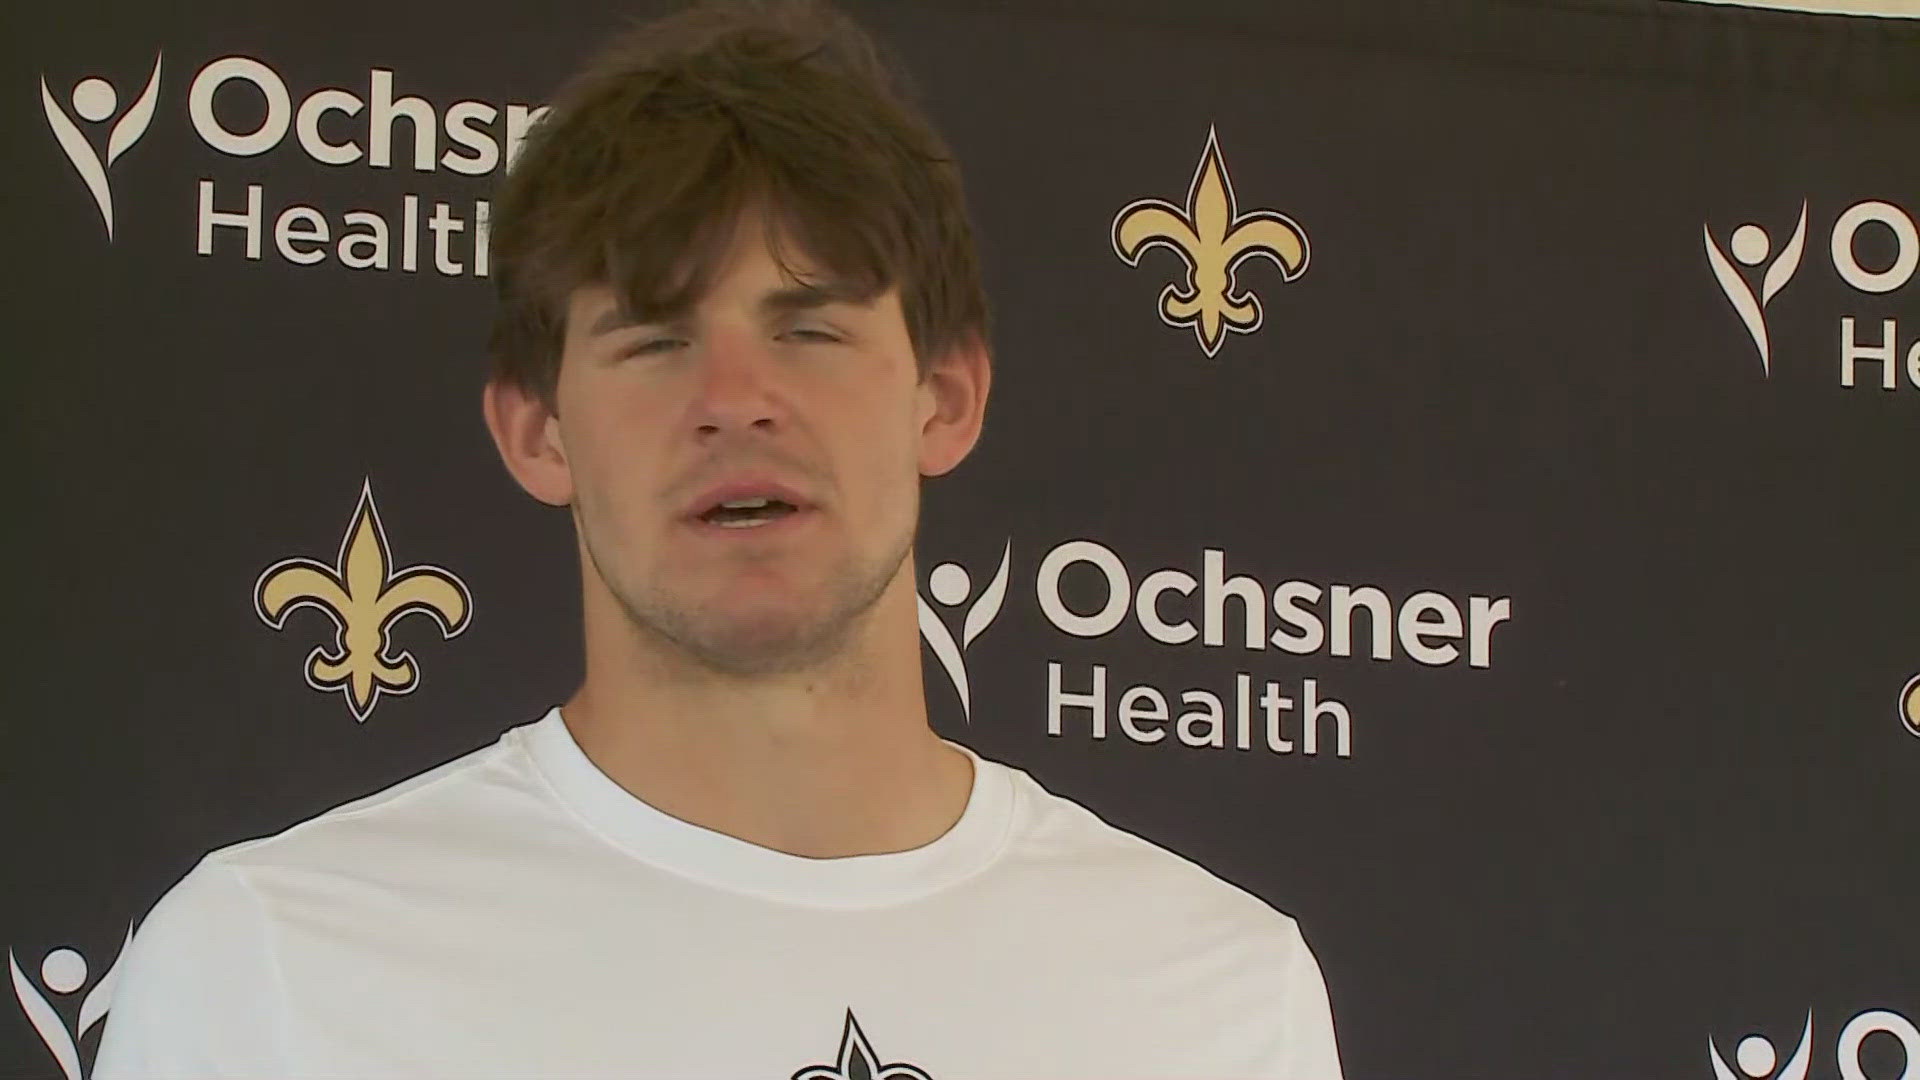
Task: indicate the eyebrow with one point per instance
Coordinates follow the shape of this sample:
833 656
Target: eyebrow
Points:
789 299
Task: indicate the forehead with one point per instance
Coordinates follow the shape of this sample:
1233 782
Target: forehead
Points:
598 309
759 263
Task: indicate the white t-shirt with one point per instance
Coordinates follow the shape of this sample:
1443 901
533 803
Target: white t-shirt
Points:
514 913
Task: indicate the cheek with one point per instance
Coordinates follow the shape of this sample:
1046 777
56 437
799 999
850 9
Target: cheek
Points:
606 456
895 460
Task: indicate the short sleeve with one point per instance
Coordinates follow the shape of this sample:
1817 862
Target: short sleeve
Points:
1311 1051
198 994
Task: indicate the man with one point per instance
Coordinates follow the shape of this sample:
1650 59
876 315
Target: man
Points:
740 319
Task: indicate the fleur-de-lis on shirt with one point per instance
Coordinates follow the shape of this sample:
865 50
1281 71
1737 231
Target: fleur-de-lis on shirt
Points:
363 597
857 1061
1214 238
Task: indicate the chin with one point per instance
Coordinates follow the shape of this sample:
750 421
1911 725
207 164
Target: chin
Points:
765 654
763 625
762 641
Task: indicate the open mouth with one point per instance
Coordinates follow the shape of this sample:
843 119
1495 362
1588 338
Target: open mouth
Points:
748 513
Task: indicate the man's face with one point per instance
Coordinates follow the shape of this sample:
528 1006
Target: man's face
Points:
820 399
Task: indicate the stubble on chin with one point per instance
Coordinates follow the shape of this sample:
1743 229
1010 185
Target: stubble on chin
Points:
779 639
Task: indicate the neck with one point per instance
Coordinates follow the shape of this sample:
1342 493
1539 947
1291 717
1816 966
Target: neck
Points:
825 763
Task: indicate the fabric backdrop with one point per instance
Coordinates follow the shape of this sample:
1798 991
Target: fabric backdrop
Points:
1448 472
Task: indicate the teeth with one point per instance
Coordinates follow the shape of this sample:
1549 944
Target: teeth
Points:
743 523
747 504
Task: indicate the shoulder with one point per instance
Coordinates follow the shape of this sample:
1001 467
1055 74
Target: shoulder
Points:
196 990
1060 836
199 989
431 809
212 903
226 896
1136 896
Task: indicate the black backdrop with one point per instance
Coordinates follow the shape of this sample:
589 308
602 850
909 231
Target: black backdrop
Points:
1673 811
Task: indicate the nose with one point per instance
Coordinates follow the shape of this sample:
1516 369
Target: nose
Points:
736 383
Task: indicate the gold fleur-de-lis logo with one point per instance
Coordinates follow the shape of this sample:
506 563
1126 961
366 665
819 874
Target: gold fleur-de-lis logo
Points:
363 595
1214 238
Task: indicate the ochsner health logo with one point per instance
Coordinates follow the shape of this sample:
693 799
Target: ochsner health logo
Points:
1755 1057
1751 245
64 971
1206 613
421 219
952 587
94 101
1885 264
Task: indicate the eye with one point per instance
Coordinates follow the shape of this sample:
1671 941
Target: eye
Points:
657 345
809 334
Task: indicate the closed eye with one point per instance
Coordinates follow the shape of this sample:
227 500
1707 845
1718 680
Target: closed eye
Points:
660 345
657 345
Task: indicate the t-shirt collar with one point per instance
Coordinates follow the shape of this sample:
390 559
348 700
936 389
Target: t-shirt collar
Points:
729 862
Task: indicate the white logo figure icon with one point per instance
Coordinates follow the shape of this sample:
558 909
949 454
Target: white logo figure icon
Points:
951 585
1751 245
94 100
64 971
1755 1056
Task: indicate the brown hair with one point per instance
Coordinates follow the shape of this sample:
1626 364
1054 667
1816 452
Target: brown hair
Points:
636 176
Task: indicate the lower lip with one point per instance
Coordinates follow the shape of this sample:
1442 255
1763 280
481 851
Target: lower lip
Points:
777 527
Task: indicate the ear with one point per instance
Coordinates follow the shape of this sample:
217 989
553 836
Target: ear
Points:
527 434
952 405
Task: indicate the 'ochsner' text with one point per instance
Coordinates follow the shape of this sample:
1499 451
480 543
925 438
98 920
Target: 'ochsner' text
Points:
1340 620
